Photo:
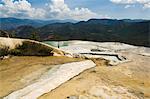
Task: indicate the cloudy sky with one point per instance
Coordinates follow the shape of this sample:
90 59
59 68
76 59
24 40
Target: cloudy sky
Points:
75 9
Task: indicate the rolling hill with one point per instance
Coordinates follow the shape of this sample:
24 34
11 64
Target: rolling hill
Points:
12 23
134 32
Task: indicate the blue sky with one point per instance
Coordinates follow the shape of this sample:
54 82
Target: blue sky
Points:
76 9
111 9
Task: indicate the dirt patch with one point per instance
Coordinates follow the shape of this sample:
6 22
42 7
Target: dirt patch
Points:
100 61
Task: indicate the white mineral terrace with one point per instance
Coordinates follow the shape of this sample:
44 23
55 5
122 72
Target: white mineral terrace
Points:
51 79
96 50
108 50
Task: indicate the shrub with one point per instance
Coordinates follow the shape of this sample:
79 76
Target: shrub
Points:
4 51
15 52
32 49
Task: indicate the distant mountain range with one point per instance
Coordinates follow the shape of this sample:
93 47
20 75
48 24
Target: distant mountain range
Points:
136 32
12 23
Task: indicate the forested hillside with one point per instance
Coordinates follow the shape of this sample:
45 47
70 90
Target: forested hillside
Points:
127 31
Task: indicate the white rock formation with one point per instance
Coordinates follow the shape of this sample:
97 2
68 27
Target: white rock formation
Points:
52 80
9 42
108 50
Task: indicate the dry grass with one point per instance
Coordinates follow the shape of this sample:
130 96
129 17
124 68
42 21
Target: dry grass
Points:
135 76
78 85
17 72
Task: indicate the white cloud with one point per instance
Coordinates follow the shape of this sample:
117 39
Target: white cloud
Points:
56 9
129 6
123 1
145 3
20 8
59 9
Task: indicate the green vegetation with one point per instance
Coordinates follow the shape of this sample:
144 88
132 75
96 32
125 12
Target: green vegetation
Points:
28 32
27 49
32 49
4 33
34 36
101 30
4 51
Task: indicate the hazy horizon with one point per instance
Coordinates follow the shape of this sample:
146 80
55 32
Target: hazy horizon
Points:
74 19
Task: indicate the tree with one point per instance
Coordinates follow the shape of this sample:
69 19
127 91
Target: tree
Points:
4 51
4 33
35 36
58 42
